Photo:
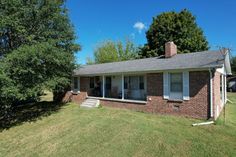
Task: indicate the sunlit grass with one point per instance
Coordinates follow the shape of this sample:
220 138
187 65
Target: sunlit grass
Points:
73 131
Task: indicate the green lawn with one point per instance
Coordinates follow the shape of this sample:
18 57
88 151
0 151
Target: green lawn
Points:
72 131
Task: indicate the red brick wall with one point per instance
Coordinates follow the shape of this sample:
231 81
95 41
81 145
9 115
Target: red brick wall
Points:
196 107
216 94
127 105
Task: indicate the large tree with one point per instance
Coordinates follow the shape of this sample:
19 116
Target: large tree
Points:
178 27
110 51
37 46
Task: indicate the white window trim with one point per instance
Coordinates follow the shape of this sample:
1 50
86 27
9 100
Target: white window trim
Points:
166 85
186 86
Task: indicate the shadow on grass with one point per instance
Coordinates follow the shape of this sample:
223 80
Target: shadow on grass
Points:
30 113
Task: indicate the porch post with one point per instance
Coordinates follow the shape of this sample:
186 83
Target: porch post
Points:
123 92
103 86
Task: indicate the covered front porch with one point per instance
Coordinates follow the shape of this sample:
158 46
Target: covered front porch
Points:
129 88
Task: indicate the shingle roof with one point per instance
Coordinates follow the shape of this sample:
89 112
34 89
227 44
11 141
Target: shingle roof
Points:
197 60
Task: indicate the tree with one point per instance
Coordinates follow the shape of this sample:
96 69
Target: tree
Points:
110 51
233 65
181 28
8 94
37 46
32 21
89 61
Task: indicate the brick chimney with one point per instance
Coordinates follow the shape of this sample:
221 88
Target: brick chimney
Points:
170 49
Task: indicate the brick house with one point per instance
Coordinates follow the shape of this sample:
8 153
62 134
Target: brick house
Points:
191 85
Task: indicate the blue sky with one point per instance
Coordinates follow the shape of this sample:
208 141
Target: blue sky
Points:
99 20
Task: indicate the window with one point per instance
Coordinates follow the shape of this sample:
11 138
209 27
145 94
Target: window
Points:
134 82
134 86
126 79
141 82
222 88
176 82
108 83
75 82
176 86
91 84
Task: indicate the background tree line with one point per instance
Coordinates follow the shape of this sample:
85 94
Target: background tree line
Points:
110 51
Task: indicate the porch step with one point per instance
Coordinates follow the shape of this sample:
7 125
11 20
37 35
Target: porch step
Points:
90 103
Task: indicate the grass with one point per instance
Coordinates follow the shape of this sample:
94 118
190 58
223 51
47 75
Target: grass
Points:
73 131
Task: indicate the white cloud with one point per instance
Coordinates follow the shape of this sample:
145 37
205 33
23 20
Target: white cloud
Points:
139 26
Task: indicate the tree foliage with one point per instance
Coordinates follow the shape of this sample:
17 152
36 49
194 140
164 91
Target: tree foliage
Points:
8 94
37 67
32 21
181 28
233 65
37 46
109 51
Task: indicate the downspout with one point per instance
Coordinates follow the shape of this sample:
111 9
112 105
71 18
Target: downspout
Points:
211 93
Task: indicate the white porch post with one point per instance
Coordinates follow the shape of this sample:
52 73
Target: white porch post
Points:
123 92
103 86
